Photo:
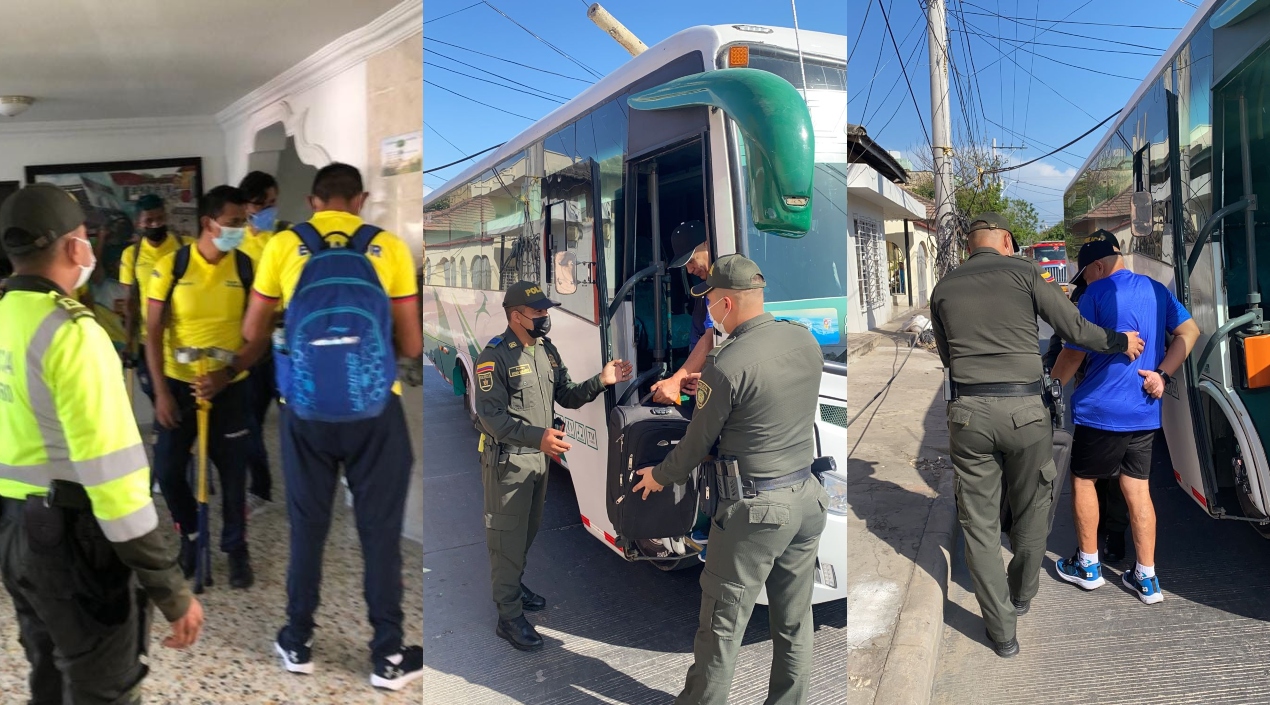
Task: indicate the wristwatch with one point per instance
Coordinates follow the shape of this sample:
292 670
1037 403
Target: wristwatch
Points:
1163 375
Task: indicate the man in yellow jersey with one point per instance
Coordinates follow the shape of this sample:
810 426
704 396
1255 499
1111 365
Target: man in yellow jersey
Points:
376 453
76 519
261 191
135 266
197 300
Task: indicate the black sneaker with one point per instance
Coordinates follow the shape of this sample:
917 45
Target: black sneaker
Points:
1114 545
530 601
188 556
240 573
399 670
296 658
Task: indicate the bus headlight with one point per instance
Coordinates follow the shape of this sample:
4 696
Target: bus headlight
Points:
836 486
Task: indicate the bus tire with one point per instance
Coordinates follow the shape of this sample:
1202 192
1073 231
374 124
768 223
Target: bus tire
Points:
680 564
469 398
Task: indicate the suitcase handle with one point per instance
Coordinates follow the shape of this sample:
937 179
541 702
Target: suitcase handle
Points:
655 370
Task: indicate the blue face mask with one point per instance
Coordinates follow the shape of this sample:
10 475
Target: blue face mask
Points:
229 238
266 219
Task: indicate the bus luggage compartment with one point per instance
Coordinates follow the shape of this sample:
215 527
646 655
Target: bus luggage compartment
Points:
642 436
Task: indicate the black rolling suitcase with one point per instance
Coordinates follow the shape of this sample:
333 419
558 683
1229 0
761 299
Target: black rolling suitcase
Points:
1062 462
642 436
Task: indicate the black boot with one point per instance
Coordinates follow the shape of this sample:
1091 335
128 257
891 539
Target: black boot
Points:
188 556
240 573
519 633
1113 551
1005 649
530 601
1021 607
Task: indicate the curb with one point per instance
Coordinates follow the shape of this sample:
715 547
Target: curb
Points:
863 348
909 674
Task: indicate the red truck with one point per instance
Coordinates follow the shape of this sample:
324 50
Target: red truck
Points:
1052 256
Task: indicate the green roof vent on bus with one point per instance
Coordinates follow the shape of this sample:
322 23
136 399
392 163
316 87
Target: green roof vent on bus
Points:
779 143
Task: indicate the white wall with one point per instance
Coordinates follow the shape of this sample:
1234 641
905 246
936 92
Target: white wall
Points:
31 144
858 320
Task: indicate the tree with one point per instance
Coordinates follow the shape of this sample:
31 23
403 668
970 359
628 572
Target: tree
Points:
976 190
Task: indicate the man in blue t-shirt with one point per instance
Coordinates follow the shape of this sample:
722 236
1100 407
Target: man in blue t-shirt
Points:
1116 409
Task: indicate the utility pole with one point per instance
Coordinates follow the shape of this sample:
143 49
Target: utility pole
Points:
997 175
941 129
615 29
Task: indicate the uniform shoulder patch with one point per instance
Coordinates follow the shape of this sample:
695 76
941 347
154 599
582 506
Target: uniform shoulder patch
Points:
703 394
493 342
74 308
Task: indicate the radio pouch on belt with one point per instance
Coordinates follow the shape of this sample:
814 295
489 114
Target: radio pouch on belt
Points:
728 473
822 465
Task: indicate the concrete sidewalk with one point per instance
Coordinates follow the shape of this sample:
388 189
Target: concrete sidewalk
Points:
902 518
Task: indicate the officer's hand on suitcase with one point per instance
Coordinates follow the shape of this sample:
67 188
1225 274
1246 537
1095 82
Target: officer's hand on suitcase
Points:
553 442
185 631
647 483
667 391
616 371
1136 345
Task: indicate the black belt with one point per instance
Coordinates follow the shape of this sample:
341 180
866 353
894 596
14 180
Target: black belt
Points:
775 483
997 390
518 450
63 495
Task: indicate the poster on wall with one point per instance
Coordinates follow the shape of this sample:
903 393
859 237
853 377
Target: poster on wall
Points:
402 154
108 192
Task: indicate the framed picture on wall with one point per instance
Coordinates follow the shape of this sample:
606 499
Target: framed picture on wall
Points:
108 191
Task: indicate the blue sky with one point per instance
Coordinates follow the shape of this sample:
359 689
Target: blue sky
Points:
455 127
1037 77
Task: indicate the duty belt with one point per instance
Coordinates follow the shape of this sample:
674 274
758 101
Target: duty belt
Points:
518 450
997 390
61 494
753 487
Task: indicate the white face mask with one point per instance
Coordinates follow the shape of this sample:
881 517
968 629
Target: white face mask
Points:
718 324
86 271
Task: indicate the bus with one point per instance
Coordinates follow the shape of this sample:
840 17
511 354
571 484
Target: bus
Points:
585 200
1177 179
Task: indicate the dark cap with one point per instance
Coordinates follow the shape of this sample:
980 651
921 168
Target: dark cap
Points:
529 294
684 241
733 272
149 202
36 217
1091 252
993 221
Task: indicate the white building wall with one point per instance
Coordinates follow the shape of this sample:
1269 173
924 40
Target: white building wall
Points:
859 318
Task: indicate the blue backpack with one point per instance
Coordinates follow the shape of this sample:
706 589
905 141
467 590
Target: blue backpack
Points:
339 363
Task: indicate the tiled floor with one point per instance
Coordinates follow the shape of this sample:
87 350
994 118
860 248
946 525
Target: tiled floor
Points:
234 661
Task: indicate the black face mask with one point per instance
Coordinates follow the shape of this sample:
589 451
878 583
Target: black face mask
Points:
542 326
156 234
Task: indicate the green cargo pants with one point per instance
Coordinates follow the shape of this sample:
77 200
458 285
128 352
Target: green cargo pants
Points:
989 436
515 491
770 540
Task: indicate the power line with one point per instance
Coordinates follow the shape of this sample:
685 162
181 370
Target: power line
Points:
858 35
1070 46
911 55
434 19
500 85
1043 83
494 107
438 134
990 13
553 47
907 82
876 63
1019 47
1033 161
1068 34
487 71
460 161
509 61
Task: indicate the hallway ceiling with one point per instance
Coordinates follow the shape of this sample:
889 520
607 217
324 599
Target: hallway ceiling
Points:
111 59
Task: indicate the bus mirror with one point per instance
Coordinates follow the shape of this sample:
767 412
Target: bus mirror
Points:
566 273
776 126
1140 213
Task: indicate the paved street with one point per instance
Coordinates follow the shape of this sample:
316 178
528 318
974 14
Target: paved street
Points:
1208 642
615 632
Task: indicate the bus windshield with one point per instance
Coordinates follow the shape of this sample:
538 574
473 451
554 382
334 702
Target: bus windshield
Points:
807 276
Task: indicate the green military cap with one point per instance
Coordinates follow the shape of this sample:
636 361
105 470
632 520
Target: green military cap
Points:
734 272
36 217
993 221
529 294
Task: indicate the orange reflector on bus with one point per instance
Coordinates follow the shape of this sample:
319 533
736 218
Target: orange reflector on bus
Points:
1257 361
738 56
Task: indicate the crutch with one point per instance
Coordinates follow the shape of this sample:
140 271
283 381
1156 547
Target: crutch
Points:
203 553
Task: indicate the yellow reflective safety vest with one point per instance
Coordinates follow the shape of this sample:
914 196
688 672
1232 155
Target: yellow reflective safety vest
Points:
64 411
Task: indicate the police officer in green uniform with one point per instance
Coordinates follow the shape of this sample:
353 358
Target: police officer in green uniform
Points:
1113 514
78 528
997 421
757 396
519 379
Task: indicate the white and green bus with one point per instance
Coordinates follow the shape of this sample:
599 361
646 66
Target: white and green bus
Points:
708 125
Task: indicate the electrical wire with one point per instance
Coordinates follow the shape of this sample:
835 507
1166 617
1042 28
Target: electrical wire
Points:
882 393
557 101
1071 34
465 9
904 70
859 34
492 107
1095 24
491 73
553 47
509 61
460 161
1083 135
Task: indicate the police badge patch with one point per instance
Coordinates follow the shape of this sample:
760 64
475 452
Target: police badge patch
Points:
703 394
485 376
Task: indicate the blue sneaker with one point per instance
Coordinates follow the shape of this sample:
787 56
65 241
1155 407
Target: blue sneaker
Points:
700 536
1074 571
1147 589
702 555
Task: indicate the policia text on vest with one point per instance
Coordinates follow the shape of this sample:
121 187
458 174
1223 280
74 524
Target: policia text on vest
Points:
77 522
763 382
519 379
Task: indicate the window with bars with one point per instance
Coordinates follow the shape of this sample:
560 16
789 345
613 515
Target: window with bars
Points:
871 269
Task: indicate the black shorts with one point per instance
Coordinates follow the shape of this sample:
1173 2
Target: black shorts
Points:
1098 454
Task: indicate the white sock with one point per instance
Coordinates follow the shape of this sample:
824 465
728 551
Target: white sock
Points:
396 659
1146 571
1088 558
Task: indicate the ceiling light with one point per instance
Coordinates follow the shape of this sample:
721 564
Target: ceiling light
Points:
14 105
